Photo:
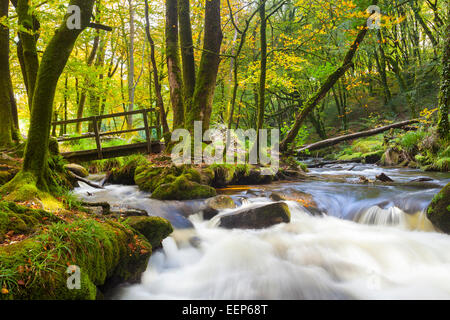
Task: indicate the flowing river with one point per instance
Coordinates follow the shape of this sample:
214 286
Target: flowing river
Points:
370 242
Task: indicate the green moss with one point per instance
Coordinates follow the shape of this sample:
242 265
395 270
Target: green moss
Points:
349 157
443 164
372 157
411 140
103 250
224 173
183 189
368 145
22 220
126 172
155 229
438 212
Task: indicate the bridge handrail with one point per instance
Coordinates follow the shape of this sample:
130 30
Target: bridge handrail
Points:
97 134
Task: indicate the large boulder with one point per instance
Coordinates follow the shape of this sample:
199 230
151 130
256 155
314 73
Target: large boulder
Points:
77 169
439 210
260 217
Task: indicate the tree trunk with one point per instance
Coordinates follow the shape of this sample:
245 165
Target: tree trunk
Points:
381 63
28 53
159 99
82 100
52 65
130 77
262 75
187 51
173 64
209 65
6 120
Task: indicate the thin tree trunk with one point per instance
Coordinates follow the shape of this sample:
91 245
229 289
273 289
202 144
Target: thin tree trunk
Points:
159 99
83 94
381 63
131 87
263 67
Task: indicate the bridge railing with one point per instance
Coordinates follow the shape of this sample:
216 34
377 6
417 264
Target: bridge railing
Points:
97 134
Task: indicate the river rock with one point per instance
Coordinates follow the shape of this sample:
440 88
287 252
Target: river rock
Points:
221 202
260 217
384 178
131 213
77 169
439 210
153 228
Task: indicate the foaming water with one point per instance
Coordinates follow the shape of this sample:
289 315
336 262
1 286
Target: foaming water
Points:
310 258
372 242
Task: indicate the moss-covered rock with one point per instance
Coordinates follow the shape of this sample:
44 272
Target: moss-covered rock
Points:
221 202
183 189
372 157
439 210
106 252
125 173
155 229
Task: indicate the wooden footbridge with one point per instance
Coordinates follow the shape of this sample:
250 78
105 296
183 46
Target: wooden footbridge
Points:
149 146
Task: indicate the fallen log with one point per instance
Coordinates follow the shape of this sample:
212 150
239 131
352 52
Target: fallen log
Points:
325 163
90 183
333 141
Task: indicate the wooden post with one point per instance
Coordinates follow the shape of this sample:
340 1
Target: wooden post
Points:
147 132
97 137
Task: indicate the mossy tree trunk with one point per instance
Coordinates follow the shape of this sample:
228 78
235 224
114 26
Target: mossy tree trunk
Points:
444 101
6 120
55 57
173 63
187 51
205 84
